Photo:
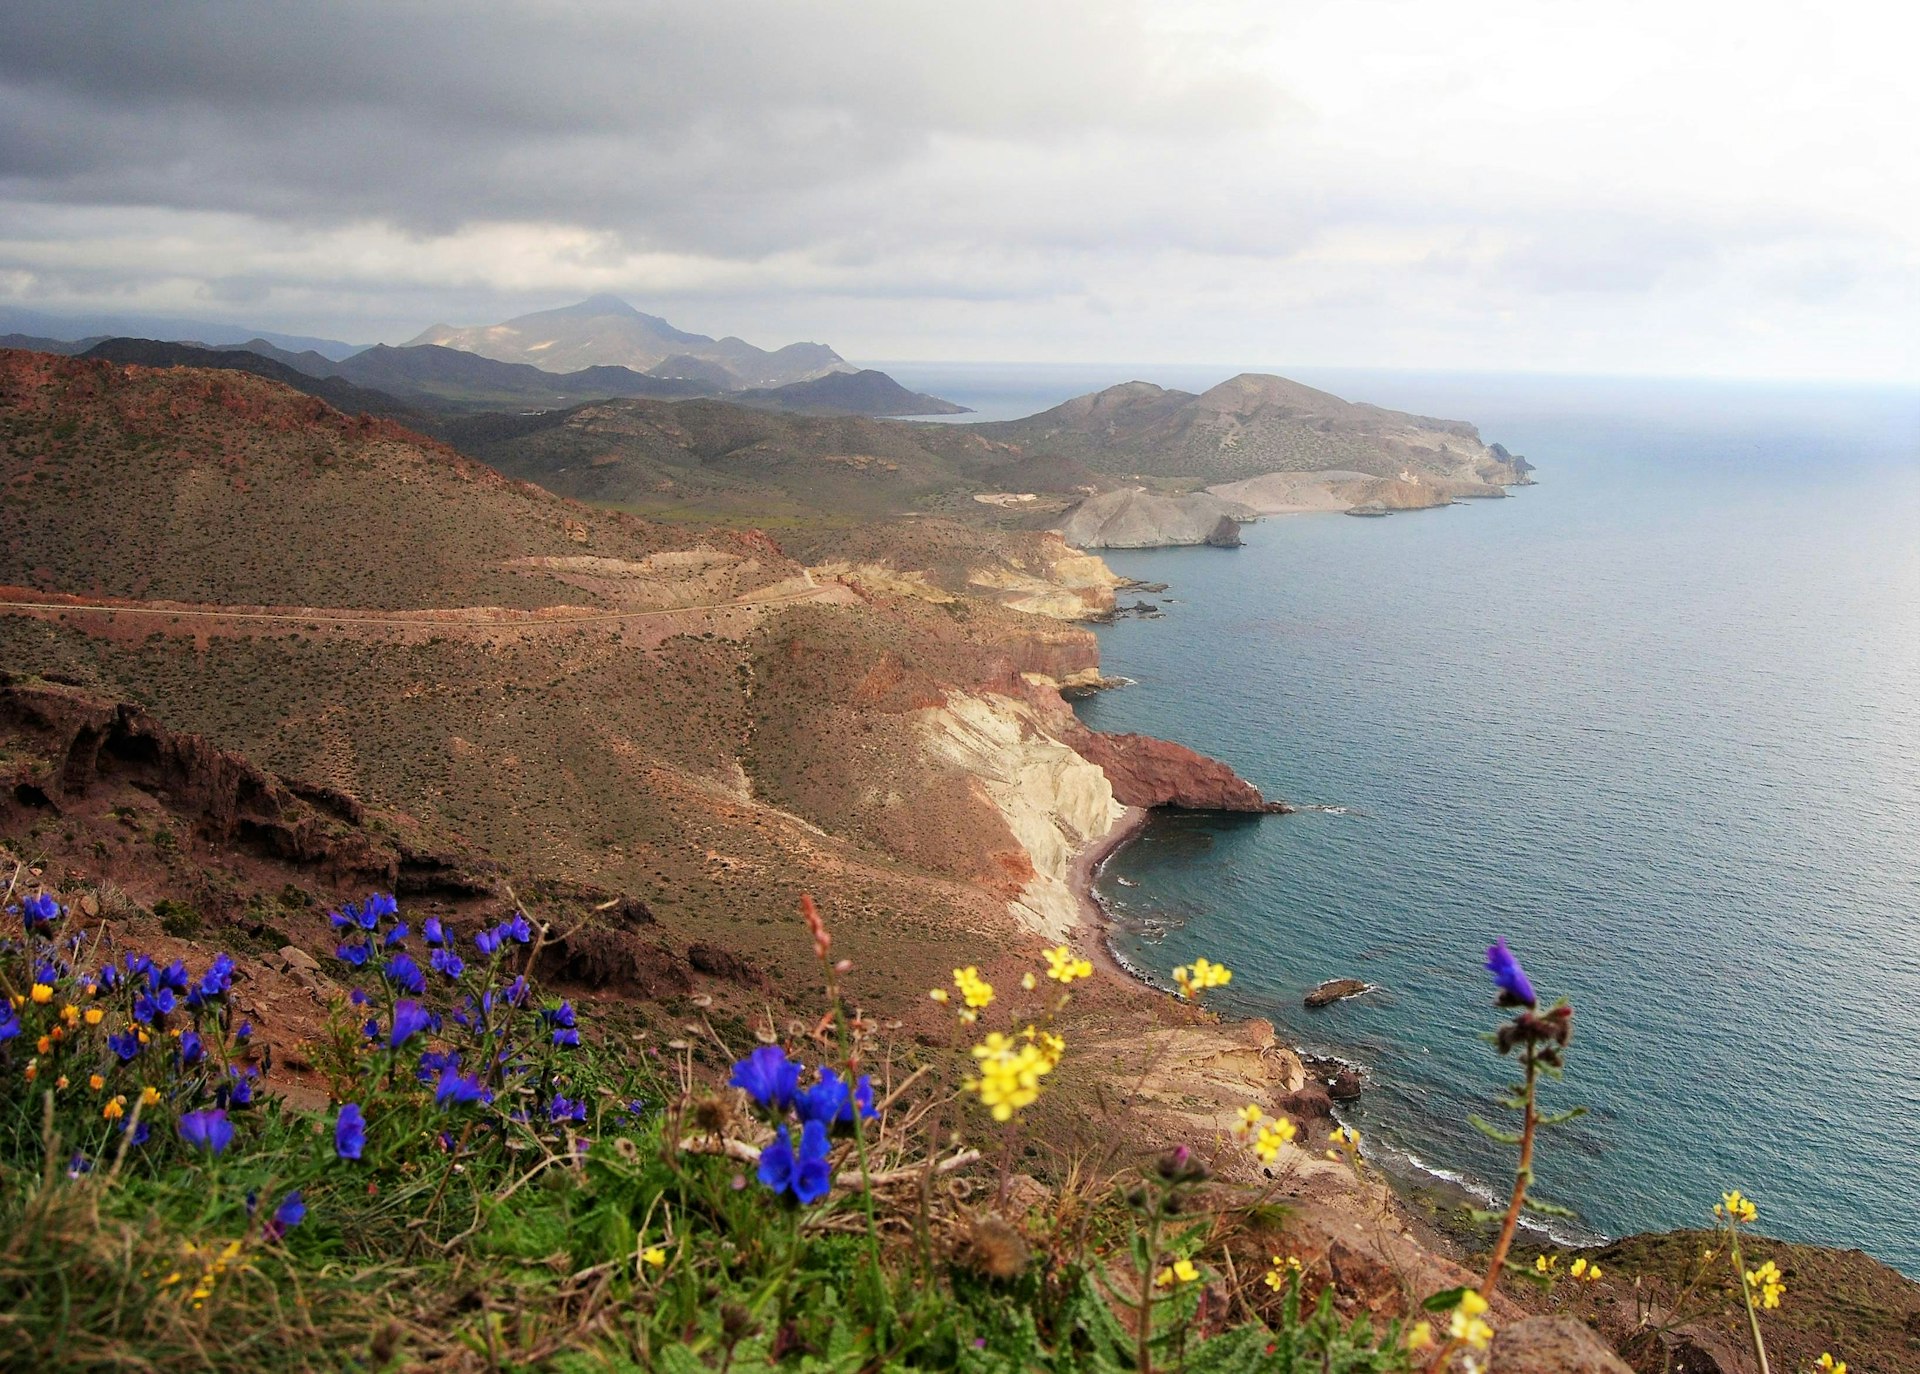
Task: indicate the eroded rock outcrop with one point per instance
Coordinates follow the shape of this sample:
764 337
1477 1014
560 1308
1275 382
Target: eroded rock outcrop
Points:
1054 801
1136 518
1145 771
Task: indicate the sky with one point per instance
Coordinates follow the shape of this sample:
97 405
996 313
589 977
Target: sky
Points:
1642 187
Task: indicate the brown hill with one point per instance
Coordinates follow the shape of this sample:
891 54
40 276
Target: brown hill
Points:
219 486
714 460
1247 426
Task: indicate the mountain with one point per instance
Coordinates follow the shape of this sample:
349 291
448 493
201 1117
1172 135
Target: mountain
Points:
342 395
450 379
1252 425
849 393
34 343
207 333
604 330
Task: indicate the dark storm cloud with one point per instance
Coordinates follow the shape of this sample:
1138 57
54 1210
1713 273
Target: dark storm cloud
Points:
719 127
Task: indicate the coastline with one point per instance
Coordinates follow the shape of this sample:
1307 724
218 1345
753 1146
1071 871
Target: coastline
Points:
1081 877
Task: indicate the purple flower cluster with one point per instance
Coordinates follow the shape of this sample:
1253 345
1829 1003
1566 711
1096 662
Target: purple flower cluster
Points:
1509 977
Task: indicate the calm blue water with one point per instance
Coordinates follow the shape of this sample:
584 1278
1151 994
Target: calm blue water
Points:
1656 721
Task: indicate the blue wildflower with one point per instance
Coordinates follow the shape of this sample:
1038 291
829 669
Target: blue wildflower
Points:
126 1045
434 932
141 1130
78 1165
10 1022
403 973
149 1007
812 1178
289 1214
349 1132
216 982
517 991
1515 990
174 976
517 929
245 1032
777 1164
456 1089
487 942
39 909
237 1091
207 1130
191 1050
396 936
356 955
768 1077
827 1101
445 961
409 1019
560 1109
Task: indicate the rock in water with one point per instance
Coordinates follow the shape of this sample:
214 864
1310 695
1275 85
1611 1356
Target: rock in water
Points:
1334 989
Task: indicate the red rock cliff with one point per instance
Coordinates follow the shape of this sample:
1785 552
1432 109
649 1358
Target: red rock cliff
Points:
1154 772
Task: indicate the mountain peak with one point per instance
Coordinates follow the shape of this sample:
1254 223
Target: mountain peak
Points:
602 303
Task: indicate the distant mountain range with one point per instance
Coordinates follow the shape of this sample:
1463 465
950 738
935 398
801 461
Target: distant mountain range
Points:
600 349
424 386
606 331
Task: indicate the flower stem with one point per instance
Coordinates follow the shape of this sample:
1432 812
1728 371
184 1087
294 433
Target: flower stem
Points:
1522 1178
1746 1296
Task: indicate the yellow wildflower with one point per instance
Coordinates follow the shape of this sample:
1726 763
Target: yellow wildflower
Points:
1062 967
1544 1265
70 1014
1419 1336
1766 1284
1735 1207
115 1109
1051 1046
1276 1277
42 993
1250 1116
1467 1325
1180 1271
1202 974
1828 1365
939 995
1010 1074
1029 982
1345 1137
94 1016
149 1096
977 991
96 1082
1267 1144
654 1255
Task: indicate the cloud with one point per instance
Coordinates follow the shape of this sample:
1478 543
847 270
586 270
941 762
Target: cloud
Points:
1352 181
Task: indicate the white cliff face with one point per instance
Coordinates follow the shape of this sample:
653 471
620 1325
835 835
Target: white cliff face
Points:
1054 802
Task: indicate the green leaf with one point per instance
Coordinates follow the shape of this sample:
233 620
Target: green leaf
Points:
1446 1301
1550 1209
1491 1131
1561 1118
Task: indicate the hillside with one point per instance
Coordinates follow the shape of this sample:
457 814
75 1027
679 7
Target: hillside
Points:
1249 426
866 392
606 331
340 394
713 460
221 486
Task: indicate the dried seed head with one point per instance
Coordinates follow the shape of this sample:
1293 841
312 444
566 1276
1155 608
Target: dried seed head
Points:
994 1248
712 1114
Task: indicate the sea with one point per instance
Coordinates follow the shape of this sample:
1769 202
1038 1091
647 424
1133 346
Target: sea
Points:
1654 721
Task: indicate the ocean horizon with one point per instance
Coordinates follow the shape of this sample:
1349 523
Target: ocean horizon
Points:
1654 721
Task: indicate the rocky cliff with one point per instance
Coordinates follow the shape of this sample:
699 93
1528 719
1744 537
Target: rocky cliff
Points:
1144 771
1135 518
